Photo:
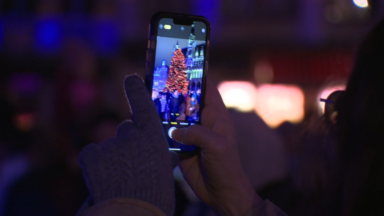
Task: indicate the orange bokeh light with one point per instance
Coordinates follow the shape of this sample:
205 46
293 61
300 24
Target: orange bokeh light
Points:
25 121
279 103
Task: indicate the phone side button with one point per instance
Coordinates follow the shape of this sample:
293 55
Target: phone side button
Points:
149 55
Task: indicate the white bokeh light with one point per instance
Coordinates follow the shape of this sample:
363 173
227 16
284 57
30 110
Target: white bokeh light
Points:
238 95
361 3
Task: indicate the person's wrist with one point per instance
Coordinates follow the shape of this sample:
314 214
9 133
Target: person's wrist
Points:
241 207
240 204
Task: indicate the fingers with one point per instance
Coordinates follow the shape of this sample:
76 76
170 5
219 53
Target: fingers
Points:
125 128
90 155
215 115
212 95
196 135
142 106
91 159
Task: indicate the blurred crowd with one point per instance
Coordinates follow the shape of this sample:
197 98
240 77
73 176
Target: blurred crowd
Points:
45 122
47 118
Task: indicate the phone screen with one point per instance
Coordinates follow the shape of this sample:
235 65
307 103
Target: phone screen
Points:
178 76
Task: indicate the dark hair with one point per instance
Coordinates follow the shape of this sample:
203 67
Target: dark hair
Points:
361 127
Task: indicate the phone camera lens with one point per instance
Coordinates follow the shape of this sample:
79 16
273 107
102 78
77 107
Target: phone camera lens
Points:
203 30
182 28
161 26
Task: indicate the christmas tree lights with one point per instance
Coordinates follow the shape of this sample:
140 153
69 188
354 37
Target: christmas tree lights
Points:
177 76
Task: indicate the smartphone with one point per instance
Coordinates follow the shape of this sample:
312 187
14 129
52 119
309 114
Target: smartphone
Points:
176 69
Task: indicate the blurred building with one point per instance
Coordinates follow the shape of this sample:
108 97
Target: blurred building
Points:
194 60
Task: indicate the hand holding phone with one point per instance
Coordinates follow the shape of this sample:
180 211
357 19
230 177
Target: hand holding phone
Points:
176 69
216 174
135 164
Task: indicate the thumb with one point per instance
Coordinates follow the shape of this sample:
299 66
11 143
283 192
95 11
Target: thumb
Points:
196 135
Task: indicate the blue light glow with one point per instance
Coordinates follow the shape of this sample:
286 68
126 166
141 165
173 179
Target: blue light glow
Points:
105 36
1 33
209 9
48 36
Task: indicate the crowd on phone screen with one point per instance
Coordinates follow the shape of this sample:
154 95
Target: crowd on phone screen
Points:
177 105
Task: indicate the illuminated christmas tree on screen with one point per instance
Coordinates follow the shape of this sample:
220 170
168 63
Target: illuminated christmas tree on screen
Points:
177 76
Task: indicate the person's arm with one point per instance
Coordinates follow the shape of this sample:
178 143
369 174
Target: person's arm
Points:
215 173
120 207
265 208
131 174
